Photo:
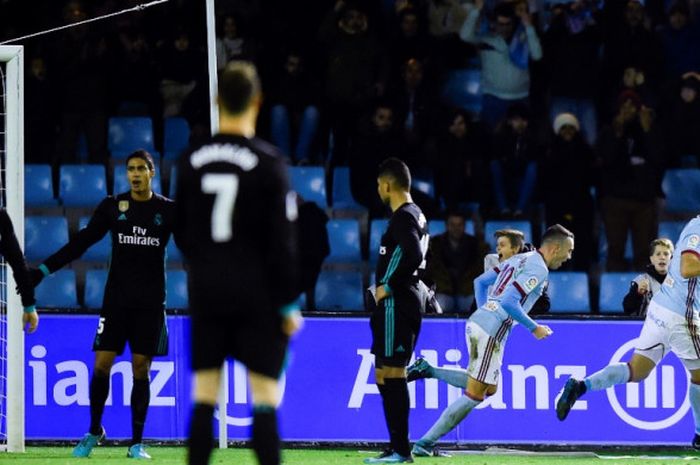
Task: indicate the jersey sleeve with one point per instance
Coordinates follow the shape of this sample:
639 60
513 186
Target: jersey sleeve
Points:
282 256
95 230
529 277
10 249
690 242
407 256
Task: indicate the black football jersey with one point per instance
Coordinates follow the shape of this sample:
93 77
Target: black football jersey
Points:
236 220
140 230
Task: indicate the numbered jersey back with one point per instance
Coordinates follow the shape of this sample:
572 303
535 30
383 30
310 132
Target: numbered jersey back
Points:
234 211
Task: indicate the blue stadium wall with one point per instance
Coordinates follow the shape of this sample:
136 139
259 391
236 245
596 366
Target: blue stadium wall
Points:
330 395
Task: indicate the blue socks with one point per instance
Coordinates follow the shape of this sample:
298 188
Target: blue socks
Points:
611 375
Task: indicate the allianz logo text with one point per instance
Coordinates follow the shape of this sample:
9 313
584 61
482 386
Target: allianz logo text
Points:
657 403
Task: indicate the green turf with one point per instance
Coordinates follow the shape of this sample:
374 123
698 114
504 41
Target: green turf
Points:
176 455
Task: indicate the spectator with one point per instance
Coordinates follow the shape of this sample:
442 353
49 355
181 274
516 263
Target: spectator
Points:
39 113
505 55
460 161
294 113
445 17
410 41
377 141
179 75
631 43
571 49
137 75
232 45
81 64
514 164
453 263
644 286
355 72
568 166
681 42
681 120
632 168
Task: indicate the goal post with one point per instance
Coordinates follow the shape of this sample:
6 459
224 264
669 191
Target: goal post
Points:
12 198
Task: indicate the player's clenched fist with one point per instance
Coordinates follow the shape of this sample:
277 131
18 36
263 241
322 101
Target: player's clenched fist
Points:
542 331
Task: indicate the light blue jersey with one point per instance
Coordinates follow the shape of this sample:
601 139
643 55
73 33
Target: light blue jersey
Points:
677 294
525 272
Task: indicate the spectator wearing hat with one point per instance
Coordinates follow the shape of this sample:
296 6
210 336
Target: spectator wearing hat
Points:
505 56
514 163
568 166
571 52
681 118
630 150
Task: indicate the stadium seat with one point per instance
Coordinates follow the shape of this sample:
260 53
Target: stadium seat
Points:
121 183
99 252
462 89
38 186
682 189
492 226
176 137
44 235
436 227
339 291
344 238
671 230
376 229
58 290
82 185
342 195
425 186
174 254
613 287
119 156
310 183
126 134
95 281
176 287
568 292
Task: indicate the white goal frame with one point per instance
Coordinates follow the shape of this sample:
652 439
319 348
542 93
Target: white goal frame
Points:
13 57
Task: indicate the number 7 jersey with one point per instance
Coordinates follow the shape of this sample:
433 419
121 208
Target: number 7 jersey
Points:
235 223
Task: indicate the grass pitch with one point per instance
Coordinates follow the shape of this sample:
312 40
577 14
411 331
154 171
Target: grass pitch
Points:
177 456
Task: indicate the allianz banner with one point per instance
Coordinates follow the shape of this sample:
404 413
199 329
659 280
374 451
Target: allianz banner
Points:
329 391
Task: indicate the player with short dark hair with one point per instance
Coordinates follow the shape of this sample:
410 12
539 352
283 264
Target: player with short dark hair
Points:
396 320
10 249
503 297
133 310
236 226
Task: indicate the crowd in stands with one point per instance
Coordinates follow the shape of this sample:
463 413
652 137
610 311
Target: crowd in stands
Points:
544 111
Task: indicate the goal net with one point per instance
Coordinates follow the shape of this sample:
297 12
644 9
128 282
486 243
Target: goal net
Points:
12 199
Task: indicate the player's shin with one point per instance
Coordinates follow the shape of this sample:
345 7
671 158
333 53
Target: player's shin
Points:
451 417
265 437
99 390
611 375
694 397
396 409
201 434
140 399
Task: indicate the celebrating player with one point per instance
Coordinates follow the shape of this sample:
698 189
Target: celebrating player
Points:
672 323
236 225
133 310
503 295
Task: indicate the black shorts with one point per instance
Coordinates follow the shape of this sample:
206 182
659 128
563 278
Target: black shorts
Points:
253 337
146 331
395 325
